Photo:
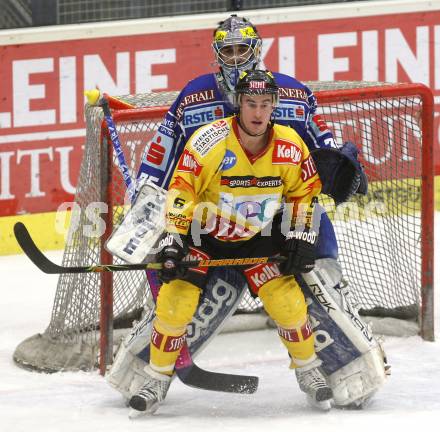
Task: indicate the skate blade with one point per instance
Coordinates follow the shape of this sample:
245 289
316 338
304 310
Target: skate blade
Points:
322 405
134 414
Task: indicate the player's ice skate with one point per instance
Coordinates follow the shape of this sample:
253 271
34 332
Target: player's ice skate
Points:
150 395
312 382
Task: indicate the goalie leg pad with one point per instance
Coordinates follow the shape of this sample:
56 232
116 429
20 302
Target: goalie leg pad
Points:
127 372
353 359
355 384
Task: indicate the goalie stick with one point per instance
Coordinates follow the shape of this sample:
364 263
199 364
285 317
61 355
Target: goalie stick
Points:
114 137
188 372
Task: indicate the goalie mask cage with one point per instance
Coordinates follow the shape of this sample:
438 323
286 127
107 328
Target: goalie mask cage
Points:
385 238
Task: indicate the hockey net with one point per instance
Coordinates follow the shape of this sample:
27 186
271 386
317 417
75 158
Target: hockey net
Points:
385 238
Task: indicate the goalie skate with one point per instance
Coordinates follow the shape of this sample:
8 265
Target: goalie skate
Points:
312 382
150 395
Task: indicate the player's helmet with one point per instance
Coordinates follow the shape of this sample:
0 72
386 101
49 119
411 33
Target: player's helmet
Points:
257 82
237 47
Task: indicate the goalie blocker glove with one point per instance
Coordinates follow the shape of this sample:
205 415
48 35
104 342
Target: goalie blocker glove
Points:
300 245
172 249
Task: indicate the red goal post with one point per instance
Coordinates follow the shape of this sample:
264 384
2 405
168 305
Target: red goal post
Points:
385 239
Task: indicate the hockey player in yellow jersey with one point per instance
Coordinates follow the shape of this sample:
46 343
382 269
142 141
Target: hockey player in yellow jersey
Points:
235 179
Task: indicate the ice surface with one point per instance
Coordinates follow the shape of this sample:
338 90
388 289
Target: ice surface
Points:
71 402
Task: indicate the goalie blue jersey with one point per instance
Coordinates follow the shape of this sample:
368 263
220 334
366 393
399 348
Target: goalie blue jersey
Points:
201 102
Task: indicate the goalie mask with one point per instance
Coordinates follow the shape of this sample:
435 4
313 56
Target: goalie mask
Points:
237 47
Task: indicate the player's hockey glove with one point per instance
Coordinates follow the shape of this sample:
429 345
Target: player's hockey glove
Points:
172 249
299 247
300 252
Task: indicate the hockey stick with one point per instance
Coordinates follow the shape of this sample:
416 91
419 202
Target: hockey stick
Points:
29 247
188 373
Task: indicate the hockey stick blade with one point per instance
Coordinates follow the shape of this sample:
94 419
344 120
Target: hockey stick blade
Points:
29 247
32 251
193 376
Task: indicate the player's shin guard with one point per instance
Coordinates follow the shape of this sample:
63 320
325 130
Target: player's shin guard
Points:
285 304
299 342
176 305
165 348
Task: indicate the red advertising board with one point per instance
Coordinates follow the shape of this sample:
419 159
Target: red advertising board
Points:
41 84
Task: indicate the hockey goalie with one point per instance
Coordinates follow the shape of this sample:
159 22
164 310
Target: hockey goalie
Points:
336 358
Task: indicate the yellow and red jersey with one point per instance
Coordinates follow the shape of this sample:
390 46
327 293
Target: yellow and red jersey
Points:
235 194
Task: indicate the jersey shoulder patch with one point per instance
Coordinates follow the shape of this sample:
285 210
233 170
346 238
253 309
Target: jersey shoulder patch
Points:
288 146
292 89
207 137
188 163
198 91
